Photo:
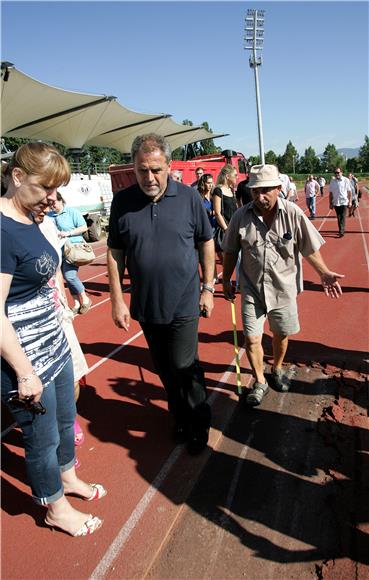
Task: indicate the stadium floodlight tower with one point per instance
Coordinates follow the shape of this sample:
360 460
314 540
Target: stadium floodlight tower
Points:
254 39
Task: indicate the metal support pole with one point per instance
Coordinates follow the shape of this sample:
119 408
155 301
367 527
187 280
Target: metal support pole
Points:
254 42
260 122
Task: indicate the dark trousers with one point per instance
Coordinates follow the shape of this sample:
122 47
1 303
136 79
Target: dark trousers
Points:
173 348
341 217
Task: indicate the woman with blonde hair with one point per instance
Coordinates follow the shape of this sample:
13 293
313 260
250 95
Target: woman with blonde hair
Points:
36 370
224 203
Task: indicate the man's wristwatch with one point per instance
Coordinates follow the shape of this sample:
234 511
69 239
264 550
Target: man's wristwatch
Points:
209 288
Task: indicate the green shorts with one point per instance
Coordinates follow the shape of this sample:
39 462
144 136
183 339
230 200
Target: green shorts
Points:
283 321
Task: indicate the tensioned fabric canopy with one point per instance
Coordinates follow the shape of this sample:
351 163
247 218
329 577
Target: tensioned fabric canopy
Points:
34 110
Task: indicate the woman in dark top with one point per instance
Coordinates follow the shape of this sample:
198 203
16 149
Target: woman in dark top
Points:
224 200
36 365
205 187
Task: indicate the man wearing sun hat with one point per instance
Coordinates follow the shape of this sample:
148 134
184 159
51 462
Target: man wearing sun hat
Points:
272 235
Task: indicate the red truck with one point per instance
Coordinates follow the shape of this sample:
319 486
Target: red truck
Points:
123 176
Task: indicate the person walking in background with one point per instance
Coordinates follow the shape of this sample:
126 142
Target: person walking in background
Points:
322 183
293 191
354 194
311 191
225 204
272 234
243 193
36 365
199 172
340 198
205 187
285 187
159 229
176 175
71 225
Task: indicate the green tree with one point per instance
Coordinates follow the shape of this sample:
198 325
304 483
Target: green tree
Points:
12 143
254 160
332 159
288 162
271 158
199 148
364 155
354 165
208 146
92 158
309 162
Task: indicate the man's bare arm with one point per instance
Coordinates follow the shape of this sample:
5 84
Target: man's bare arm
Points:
229 264
116 267
207 263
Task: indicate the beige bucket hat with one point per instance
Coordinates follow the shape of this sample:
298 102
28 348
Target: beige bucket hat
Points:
264 176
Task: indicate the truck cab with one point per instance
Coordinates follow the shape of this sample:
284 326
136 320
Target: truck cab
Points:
123 176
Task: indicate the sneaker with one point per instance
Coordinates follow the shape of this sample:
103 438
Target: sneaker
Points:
85 307
281 380
259 390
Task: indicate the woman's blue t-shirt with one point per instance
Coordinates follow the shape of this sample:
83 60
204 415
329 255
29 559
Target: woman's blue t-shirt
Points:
209 210
30 307
68 219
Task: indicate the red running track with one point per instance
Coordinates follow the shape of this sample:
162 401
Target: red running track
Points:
124 416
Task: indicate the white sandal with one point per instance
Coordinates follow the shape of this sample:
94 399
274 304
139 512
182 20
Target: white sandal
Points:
90 526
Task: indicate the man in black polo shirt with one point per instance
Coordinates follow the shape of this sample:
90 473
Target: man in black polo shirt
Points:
160 230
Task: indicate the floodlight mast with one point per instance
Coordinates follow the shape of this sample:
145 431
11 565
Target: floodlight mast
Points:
254 39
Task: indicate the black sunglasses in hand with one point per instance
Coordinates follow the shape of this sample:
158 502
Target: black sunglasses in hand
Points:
27 403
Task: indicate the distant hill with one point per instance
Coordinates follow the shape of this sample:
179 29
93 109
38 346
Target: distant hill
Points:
349 153
346 152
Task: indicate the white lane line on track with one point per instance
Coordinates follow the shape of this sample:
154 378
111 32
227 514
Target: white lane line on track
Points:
325 219
93 277
125 532
113 352
363 238
128 527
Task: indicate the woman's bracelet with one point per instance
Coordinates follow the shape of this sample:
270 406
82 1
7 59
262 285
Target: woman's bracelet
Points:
26 378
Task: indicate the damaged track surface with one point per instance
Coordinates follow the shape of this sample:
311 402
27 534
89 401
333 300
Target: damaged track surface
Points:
283 496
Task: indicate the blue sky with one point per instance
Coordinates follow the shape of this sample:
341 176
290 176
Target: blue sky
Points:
187 59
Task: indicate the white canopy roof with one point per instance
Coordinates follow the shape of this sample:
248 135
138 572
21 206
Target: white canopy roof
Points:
34 110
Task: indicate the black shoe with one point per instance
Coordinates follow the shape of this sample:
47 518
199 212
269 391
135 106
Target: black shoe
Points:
180 433
197 441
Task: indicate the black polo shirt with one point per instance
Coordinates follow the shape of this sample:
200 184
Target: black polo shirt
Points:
160 244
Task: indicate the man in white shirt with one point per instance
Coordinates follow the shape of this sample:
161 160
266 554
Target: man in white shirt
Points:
340 197
322 183
311 191
286 186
